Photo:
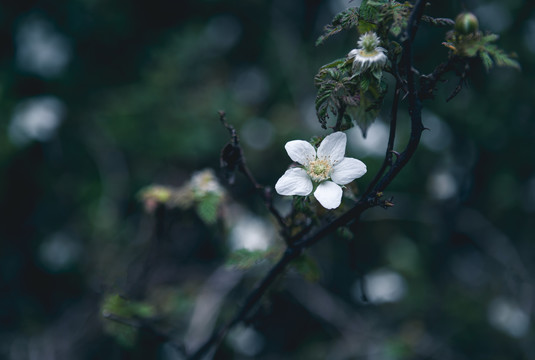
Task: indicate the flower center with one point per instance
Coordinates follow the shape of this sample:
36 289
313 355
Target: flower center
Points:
368 54
369 42
319 169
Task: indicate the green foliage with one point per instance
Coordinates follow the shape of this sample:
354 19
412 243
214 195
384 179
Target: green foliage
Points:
307 267
370 104
116 305
337 88
360 94
482 46
394 15
244 259
343 21
207 207
369 11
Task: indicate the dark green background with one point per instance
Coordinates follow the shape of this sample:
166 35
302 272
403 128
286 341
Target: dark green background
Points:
141 93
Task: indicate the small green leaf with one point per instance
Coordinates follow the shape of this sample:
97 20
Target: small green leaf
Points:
395 30
307 267
370 104
207 207
117 305
364 83
486 59
244 259
343 21
366 26
378 74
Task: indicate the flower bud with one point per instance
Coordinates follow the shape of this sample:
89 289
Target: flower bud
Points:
466 23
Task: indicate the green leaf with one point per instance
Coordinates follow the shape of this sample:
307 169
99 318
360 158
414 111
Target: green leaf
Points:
119 306
307 267
395 30
343 21
366 26
377 74
369 9
207 207
364 83
244 259
370 105
477 44
486 59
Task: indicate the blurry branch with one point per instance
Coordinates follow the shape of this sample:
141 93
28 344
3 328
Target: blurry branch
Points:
232 157
208 304
144 325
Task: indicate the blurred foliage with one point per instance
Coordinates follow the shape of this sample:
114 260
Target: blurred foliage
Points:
141 90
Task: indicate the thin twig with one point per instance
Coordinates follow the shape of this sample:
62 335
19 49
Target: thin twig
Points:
391 137
236 159
428 82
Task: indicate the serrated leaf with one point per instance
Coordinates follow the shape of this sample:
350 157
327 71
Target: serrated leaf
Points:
347 19
377 74
481 45
207 207
438 21
366 26
244 259
395 30
486 59
488 38
307 267
370 104
364 83
369 9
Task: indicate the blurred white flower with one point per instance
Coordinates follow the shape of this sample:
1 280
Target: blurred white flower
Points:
506 316
368 55
246 340
381 286
59 251
328 162
251 233
40 49
204 182
35 119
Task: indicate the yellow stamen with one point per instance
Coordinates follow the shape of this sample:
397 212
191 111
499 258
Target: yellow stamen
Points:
319 169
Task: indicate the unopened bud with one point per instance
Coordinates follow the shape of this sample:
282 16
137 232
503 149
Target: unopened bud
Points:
466 23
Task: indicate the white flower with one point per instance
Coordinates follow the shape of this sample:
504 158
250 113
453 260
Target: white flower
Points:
325 170
368 55
204 182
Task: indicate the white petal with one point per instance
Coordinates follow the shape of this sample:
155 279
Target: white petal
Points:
333 147
295 181
300 151
352 53
329 195
348 170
